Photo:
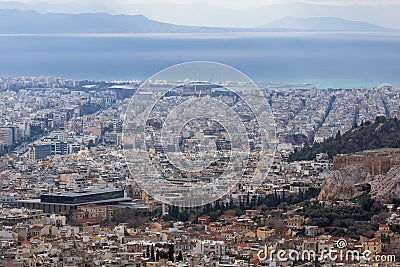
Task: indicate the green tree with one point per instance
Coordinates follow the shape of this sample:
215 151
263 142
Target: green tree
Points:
157 255
171 252
180 257
152 257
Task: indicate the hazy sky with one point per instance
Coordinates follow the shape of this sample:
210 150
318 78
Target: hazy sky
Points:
226 3
236 13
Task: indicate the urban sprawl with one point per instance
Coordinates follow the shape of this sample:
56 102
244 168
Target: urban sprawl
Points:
69 199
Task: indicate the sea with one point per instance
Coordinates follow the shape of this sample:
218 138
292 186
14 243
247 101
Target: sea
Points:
321 59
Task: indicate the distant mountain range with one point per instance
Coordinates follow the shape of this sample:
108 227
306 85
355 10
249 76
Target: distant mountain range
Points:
13 21
322 23
222 13
19 22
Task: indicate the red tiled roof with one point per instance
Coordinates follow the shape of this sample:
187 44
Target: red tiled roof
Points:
254 260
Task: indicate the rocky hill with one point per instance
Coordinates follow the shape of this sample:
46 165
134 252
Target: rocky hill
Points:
347 183
354 181
386 187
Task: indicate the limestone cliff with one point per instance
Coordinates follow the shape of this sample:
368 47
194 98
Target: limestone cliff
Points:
346 183
353 181
386 187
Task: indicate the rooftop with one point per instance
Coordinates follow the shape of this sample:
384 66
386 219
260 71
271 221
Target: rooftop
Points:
82 192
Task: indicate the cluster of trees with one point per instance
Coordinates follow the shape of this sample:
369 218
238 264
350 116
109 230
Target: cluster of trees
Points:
213 210
383 133
272 201
35 131
133 218
283 200
160 253
350 220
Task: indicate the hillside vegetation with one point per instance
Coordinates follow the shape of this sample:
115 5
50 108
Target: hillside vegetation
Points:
382 133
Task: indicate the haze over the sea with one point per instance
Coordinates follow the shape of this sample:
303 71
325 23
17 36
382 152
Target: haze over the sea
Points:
339 61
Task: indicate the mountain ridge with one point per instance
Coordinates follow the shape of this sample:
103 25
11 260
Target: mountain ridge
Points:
221 16
322 23
22 22
14 21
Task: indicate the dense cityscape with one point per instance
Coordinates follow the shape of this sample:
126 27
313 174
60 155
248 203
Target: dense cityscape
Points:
68 196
